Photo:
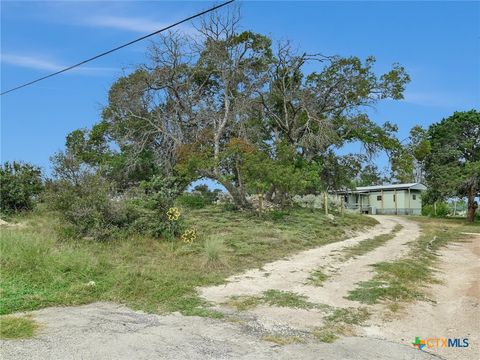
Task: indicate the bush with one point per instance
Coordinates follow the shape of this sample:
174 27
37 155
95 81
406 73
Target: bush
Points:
20 183
89 209
277 215
443 210
230 207
208 195
157 197
192 201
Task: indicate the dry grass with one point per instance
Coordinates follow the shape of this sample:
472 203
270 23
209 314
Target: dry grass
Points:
17 327
40 270
398 280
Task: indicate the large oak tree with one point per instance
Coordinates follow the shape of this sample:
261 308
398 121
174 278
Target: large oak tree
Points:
206 105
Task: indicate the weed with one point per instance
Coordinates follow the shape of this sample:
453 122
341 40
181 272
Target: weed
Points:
325 335
399 280
283 340
349 316
286 299
317 278
370 244
242 303
340 322
39 269
213 249
16 327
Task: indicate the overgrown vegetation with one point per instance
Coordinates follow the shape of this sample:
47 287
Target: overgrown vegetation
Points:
17 327
317 278
274 297
90 208
41 268
213 249
406 278
20 184
368 245
341 322
286 299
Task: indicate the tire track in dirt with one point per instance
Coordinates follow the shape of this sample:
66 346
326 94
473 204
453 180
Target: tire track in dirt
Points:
453 311
292 275
355 270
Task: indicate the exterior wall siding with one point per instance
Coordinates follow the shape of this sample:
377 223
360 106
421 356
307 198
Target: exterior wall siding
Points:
406 205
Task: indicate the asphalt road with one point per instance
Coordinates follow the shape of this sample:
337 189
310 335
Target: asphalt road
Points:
110 331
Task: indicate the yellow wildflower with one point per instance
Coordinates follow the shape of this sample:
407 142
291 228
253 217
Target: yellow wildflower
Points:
173 214
189 236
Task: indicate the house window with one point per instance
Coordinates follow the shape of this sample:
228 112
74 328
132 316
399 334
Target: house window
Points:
414 197
379 197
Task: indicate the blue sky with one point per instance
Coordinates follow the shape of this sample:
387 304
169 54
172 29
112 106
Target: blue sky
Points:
437 42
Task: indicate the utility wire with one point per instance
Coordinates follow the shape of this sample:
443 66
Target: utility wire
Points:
119 47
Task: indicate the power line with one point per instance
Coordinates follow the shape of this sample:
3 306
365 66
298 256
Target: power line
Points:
119 47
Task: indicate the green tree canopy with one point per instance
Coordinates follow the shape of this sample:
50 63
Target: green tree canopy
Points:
453 164
19 184
204 106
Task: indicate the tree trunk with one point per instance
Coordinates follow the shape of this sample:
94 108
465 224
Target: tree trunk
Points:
472 206
238 194
269 193
325 197
239 197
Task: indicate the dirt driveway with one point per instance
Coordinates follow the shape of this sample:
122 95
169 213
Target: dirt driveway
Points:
111 331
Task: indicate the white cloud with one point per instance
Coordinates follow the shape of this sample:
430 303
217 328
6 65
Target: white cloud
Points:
135 24
43 63
30 62
439 99
126 23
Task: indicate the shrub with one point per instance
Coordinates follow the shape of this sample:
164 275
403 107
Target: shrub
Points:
230 207
277 215
443 210
156 198
20 183
208 195
89 209
192 201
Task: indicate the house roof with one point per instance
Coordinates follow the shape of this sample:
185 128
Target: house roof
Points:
366 189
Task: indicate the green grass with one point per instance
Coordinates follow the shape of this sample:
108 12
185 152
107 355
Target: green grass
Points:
327 334
405 279
350 316
213 249
317 278
243 303
287 299
40 270
277 298
17 327
368 245
341 322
